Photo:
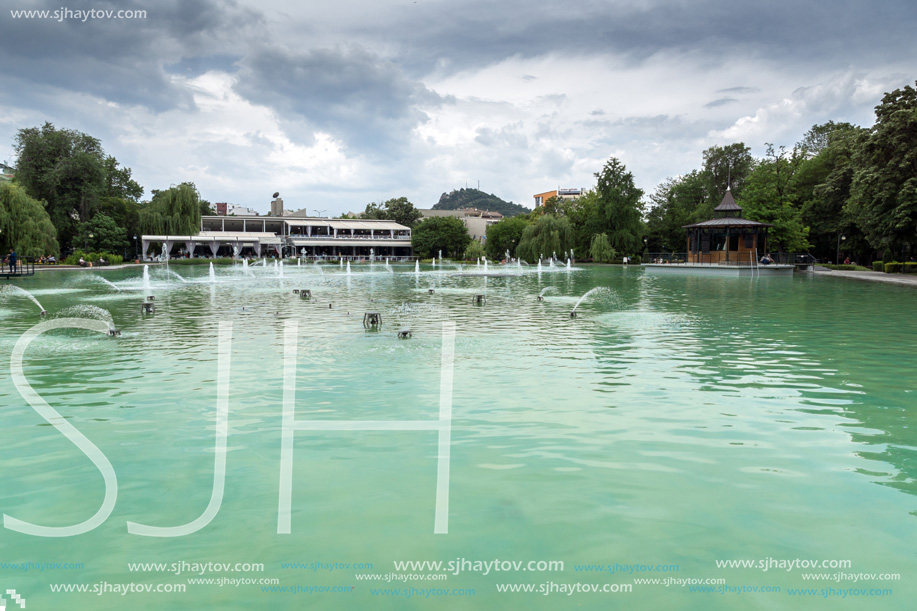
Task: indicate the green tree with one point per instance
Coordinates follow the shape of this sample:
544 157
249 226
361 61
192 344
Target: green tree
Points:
505 235
24 224
546 236
440 233
118 182
724 167
64 168
819 137
673 206
883 195
768 198
601 249
474 251
397 209
175 211
822 185
619 209
106 235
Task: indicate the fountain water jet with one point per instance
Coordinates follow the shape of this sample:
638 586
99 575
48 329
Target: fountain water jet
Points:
147 289
213 275
12 289
594 291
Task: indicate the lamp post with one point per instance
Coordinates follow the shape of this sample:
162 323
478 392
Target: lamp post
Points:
136 252
86 243
837 259
320 213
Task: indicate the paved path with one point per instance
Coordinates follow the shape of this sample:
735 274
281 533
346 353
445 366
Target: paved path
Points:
906 279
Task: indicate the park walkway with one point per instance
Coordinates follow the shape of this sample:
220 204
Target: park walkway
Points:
904 279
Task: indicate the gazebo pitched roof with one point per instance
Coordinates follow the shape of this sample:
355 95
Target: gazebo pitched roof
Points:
728 204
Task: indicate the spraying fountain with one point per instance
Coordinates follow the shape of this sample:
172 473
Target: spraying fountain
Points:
12 289
595 291
147 289
543 291
416 267
213 275
348 268
91 311
105 281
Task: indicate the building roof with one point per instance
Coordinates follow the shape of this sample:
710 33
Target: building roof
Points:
728 222
728 204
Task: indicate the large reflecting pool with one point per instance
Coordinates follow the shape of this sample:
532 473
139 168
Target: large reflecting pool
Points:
673 423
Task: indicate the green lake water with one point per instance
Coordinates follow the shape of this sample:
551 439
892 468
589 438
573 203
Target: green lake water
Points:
674 423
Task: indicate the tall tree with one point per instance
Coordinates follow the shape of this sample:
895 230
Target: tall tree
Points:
547 236
440 233
24 224
883 195
619 209
724 167
65 169
822 186
768 198
397 209
820 136
174 211
673 205
505 235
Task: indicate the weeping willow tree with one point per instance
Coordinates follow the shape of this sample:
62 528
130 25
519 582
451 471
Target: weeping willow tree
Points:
601 249
175 211
548 235
25 225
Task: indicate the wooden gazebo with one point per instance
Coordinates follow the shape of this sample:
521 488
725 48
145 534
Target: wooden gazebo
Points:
727 239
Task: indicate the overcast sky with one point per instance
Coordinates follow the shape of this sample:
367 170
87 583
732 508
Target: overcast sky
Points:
336 104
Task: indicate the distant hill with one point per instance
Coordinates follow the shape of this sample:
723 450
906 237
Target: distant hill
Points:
474 198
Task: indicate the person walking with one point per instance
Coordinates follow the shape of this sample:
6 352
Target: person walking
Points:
12 260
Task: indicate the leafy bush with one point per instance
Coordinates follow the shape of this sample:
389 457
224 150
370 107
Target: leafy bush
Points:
93 257
844 268
910 267
474 251
636 259
893 268
878 266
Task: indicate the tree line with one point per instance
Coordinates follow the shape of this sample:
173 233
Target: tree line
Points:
841 189
68 194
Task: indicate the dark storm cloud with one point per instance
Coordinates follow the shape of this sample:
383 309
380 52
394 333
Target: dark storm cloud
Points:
456 37
121 60
353 94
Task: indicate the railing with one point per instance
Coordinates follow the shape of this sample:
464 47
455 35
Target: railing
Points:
718 258
25 266
354 258
349 237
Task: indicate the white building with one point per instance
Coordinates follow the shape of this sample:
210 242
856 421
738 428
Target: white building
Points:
288 236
